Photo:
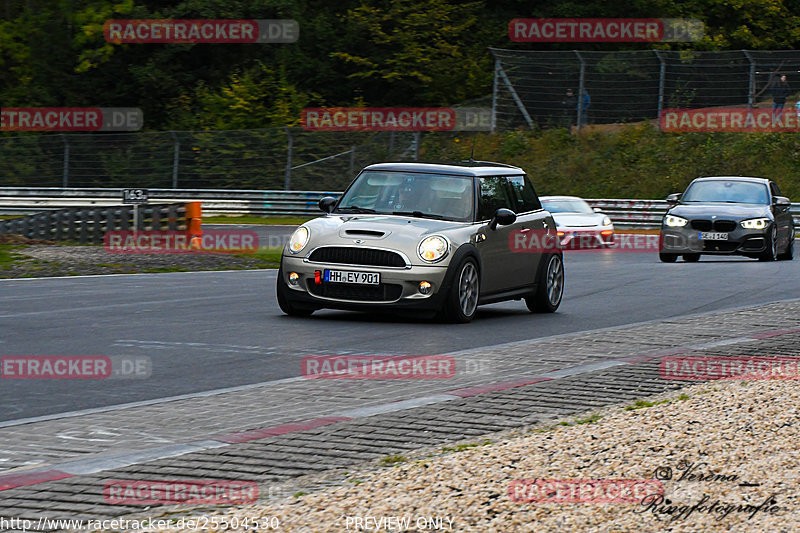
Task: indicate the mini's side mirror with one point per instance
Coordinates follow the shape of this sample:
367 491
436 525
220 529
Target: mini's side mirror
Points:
782 201
326 203
502 217
673 198
597 210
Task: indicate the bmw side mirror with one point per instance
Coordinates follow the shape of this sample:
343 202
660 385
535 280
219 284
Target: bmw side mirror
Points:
782 201
597 210
673 198
502 217
326 203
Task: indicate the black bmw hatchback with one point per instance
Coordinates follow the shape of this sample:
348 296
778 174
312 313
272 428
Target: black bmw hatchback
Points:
728 216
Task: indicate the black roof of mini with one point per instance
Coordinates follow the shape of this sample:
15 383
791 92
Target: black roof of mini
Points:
478 168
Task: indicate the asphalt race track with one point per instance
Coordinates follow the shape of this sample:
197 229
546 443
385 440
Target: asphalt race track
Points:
210 330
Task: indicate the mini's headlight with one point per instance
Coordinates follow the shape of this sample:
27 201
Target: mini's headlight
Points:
298 240
606 221
675 222
755 223
433 248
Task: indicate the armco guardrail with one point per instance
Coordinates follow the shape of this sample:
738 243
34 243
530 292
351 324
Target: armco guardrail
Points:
89 224
625 213
647 214
30 200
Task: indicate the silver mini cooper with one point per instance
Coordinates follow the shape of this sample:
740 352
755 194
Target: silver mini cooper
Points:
425 237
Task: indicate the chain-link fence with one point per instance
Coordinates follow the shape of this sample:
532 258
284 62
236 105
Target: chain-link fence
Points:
531 88
273 158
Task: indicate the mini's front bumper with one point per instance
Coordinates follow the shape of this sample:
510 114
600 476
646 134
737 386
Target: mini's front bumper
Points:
399 287
740 241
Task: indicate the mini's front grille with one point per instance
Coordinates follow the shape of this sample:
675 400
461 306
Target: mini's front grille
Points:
347 255
385 292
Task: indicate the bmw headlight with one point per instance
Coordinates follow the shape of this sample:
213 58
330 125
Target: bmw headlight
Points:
432 249
298 240
675 222
755 223
606 221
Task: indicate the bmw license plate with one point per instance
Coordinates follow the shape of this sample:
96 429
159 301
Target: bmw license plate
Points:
707 236
357 278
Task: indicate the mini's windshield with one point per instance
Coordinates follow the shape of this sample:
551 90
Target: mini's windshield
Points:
567 206
438 196
727 191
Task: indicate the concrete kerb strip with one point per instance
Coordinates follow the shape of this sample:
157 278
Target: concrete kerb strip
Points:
102 462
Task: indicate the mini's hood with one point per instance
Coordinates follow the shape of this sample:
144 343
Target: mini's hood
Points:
379 231
720 210
568 220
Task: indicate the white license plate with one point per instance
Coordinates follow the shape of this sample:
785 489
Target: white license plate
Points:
707 236
348 276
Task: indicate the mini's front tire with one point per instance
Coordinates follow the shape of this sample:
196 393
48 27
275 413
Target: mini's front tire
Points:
462 300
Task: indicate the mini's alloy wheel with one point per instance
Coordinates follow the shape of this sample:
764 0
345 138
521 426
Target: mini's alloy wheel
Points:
462 301
468 289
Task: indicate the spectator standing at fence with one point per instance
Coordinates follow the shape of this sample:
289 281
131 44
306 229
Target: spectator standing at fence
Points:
586 101
570 107
780 91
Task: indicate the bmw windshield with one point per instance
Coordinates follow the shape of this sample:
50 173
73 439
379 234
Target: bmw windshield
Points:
437 196
726 191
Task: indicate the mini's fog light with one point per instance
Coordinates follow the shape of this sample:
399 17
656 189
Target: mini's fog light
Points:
294 277
425 287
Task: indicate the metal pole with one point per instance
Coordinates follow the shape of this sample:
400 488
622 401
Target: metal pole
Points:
417 137
287 179
65 177
580 89
352 159
175 158
391 143
495 86
751 89
516 98
662 74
